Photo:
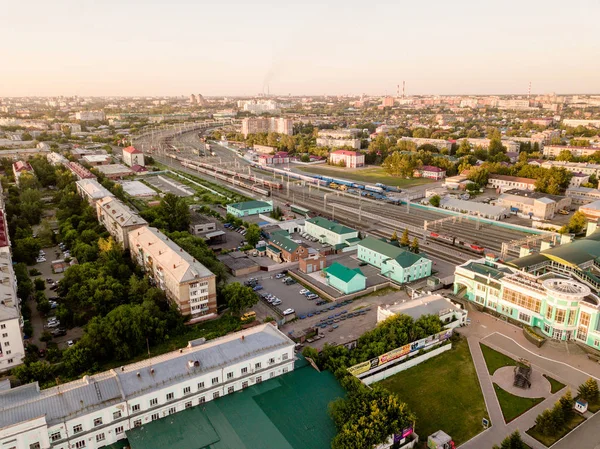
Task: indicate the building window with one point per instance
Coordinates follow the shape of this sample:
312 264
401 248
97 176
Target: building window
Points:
244 370
186 390
215 395
97 422
137 423
100 437
117 414
560 316
79 444
524 317
506 310
172 410
7 343
284 356
230 390
547 328
201 400
10 361
215 380
55 436
258 379
78 428
119 429
170 396
271 361
34 446
188 404
272 374
285 370
245 384
3 326
4 335
257 365
153 402
549 312
525 301
200 385
155 416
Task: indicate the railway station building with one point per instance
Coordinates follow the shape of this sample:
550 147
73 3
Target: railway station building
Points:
330 232
554 291
250 208
395 263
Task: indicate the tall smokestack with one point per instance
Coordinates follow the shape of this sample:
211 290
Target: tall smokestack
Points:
398 90
403 89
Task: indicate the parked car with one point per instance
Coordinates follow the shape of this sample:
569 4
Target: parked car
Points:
257 287
279 275
288 311
277 302
53 324
59 332
303 291
70 343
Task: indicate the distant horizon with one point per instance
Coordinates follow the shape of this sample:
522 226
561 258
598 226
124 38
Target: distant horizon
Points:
153 48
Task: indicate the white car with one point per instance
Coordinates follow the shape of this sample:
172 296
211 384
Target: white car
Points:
70 343
288 311
277 302
40 259
303 291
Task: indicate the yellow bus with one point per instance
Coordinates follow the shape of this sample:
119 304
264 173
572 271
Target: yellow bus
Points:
249 316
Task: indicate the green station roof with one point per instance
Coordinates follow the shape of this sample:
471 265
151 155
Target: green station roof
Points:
248 205
330 225
287 412
342 272
404 258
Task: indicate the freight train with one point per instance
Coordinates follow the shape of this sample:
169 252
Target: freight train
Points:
474 247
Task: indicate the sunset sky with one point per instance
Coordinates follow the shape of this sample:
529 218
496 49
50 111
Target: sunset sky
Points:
225 47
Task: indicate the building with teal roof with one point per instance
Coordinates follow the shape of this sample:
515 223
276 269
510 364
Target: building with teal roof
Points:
395 263
330 232
250 208
345 279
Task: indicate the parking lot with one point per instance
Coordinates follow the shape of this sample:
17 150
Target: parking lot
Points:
178 188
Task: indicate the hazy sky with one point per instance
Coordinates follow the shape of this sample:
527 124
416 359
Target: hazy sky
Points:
178 47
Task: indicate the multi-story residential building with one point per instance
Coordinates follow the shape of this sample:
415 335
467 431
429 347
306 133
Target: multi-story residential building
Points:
282 248
395 263
21 168
534 204
387 102
504 182
578 179
56 159
555 290
187 283
132 156
250 208
79 170
99 410
430 172
267 125
92 191
90 116
513 104
511 145
350 159
118 219
330 232
97 159
339 138
582 195
555 150
581 122
573 167
440 144
12 349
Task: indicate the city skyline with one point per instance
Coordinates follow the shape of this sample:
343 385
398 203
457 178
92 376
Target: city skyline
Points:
235 49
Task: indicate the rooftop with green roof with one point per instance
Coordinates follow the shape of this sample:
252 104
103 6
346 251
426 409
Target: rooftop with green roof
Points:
403 257
288 412
343 272
331 225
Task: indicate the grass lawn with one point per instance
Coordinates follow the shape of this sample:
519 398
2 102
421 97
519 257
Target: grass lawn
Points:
495 359
444 393
371 175
513 406
549 441
555 385
593 407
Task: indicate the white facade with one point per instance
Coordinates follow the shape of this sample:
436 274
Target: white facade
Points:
90 116
91 190
503 183
132 156
555 150
12 350
98 410
440 144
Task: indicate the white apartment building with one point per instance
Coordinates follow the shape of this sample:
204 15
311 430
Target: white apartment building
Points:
511 146
56 159
440 144
118 219
100 409
351 159
338 138
555 150
581 122
90 116
574 167
188 284
12 349
267 125
503 183
132 156
91 190
259 106
583 195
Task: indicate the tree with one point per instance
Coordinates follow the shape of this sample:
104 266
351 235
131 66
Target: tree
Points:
566 403
577 223
435 200
414 247
239 297
26 250
176 213
513 441
565 155
479 175
589 391
277 213
253 234
404 241
39 284
394 237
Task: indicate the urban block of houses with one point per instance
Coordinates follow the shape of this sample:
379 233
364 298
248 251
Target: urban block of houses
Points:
91 190
21 168
395 263
504 182
554 290
440 144
351 159
118 219
247 208
114 171
188 284
344 279
282 248
339 138
132 156
108 407
430 172
582 195
535 204
330 232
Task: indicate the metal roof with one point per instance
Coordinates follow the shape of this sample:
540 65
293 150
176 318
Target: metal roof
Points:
343 272
331 225
403 257
247 205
